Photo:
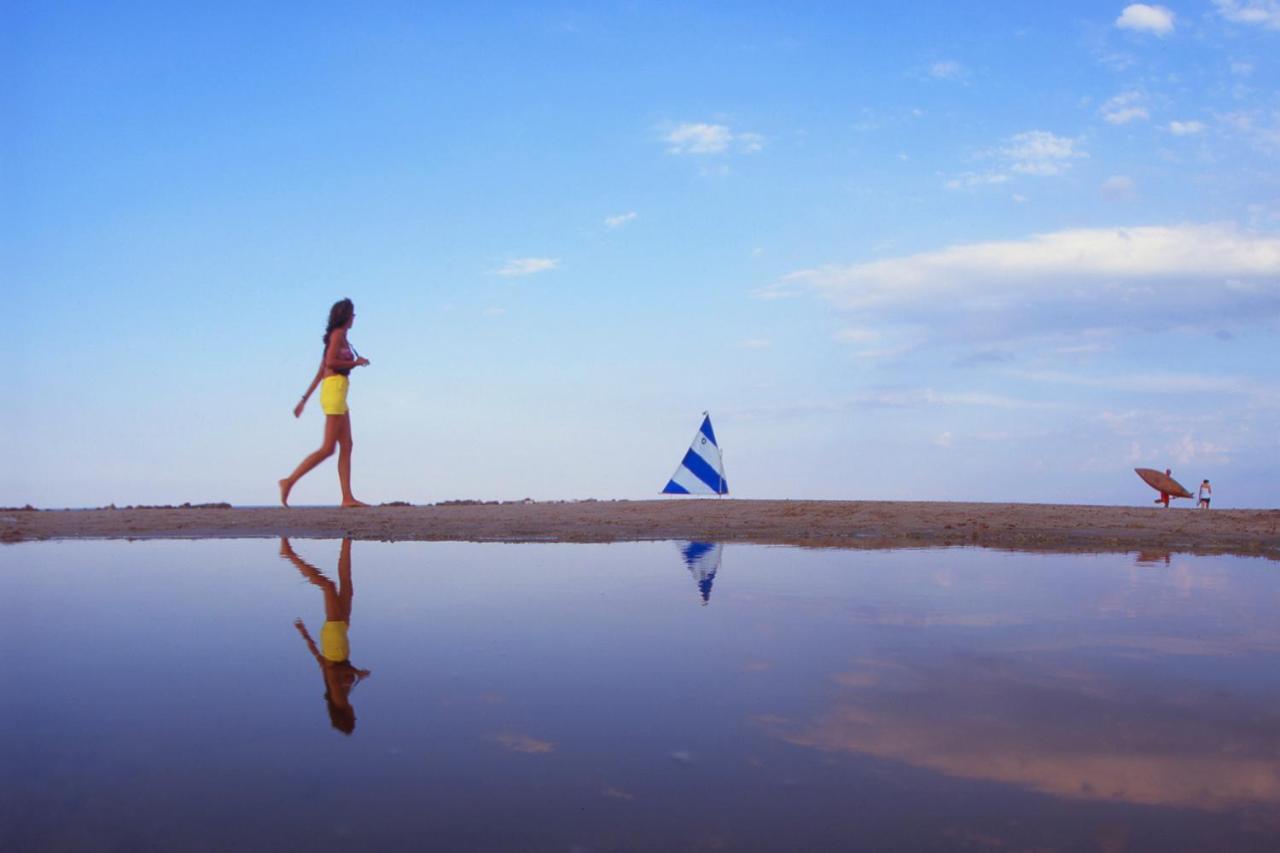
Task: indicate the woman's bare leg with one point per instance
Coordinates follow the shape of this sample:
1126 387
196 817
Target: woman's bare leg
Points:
332 428
344 462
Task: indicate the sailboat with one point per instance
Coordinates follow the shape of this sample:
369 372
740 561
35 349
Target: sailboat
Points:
701 471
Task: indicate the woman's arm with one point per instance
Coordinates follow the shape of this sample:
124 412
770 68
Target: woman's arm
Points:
338 343
297 410
311 644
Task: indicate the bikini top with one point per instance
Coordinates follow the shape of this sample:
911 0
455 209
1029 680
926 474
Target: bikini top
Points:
348 353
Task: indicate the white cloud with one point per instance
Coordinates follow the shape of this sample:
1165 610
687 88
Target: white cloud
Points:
701 138
1154 383
620 219
1039 152
691 138
527 266
1264 13
1256 127
749 143
1145 18
943 440
969 180
878 344
1115 60
897 398
947 69
1185 128
856 335
1118 188
1187 450
1063 283
1124 108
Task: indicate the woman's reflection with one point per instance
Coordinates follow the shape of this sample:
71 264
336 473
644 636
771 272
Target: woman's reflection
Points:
334 654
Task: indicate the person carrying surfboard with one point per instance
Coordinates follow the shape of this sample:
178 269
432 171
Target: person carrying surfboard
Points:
1164 496
1164 484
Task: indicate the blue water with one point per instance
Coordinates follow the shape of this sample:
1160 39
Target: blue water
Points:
641 696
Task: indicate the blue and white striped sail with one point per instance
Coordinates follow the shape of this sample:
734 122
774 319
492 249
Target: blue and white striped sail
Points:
702 559
701 471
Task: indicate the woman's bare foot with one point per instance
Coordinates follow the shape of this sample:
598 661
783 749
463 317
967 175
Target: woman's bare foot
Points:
285 488
353 502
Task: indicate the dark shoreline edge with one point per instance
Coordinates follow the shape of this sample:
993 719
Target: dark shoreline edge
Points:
823 524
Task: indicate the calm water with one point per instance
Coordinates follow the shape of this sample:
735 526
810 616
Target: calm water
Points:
648 696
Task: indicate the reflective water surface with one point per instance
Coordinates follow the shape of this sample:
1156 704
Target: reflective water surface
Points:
259 694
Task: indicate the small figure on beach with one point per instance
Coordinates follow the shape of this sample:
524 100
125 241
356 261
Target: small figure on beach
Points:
334 652
336 364
1164 496
1206 493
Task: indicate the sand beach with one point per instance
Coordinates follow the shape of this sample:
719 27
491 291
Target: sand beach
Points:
841 524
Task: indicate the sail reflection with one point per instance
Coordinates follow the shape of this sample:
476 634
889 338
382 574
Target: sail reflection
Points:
702 559
333 655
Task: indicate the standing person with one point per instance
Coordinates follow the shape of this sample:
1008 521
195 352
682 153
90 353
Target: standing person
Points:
1164 496
335 366
1206 493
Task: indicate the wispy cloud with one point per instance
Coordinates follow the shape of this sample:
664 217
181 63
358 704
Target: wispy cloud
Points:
519 742
620 219
1037 153
857 335
1142 17
948 69
1124 108
1263 13
969 180
1061 283
906 399
1118 188
1040 152
749 143
1153 383
1185 128
1258 128
527 266
704 138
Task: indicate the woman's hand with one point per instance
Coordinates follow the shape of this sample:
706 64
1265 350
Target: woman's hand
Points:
297 410
361 361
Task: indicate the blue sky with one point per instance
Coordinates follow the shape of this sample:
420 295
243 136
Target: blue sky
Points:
900 251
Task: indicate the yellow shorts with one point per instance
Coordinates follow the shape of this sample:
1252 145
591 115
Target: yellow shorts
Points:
333 641
333 394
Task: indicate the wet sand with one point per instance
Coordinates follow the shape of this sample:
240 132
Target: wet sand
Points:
844 524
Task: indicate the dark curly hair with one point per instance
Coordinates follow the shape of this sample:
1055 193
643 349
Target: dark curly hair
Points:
339 314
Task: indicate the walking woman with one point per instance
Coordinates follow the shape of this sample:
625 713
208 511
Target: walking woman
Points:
335 366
